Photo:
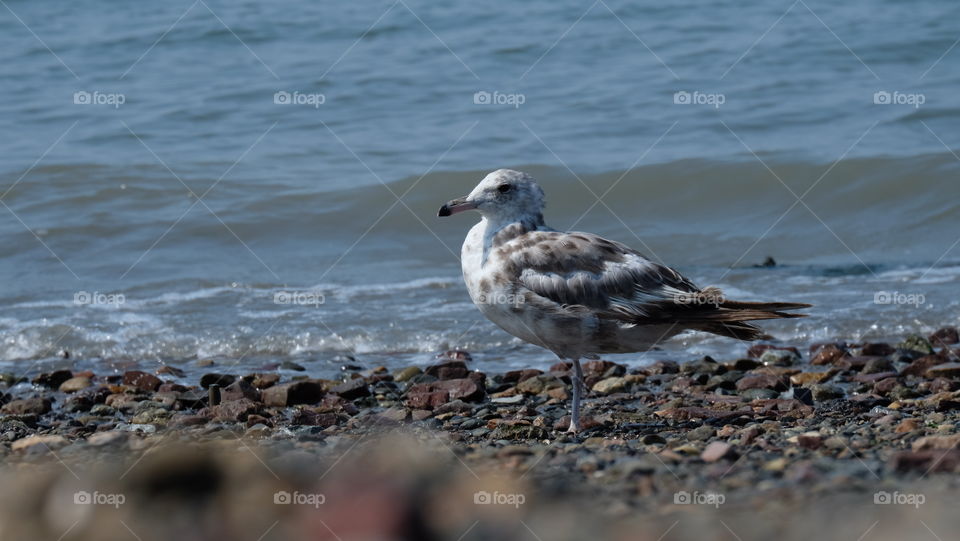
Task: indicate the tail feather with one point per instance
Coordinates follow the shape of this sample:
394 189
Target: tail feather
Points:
739 330
728 318
766 306
738 314
707 310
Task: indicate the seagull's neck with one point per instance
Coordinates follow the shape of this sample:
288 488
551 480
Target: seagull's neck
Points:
498 231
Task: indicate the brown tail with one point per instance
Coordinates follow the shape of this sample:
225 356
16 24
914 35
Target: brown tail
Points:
740 331
730 317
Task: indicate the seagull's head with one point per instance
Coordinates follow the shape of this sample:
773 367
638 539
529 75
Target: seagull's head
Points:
502 196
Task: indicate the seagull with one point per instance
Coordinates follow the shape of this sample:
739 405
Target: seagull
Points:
580 295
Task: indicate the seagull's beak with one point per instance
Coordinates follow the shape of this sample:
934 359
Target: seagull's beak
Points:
456 206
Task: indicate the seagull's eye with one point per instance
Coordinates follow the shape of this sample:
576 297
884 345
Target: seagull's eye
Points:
503 188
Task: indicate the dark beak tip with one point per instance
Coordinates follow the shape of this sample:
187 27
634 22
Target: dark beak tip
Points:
444 211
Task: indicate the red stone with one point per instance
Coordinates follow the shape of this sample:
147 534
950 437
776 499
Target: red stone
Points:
233 411
945 336
516 376
450 369
141 380
596 369
877 349
920 366
433 394
311 417
884 386
239 389
828 354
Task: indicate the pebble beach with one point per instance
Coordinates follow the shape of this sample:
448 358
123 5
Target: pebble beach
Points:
445 450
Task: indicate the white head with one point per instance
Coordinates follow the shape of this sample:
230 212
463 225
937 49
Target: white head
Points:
503 196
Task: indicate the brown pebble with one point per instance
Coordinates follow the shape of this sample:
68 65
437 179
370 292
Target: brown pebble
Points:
907 425
718 450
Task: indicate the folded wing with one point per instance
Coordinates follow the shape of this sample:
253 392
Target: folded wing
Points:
615 282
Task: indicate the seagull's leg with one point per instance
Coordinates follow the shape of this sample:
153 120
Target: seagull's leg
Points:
577 389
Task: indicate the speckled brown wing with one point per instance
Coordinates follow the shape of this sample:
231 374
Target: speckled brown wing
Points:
588 270
615 282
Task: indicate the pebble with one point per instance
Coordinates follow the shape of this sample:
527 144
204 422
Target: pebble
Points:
172 370
222 380
776 465
653 439
810 440
822 392
701 433
350 390
103 409
404 374
945 370
450 369
48 443
945 336
28 406
132 427
916 343
539 384
610 385
516 399
293 393
718 450
109 437
907 425
75 384
759 394
937 442
779 357
142 381
901 406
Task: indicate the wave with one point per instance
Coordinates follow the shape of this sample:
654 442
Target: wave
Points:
693 211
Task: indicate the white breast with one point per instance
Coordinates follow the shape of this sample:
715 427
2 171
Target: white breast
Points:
471 259
496 302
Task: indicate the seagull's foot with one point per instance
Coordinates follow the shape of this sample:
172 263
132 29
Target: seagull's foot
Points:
574 428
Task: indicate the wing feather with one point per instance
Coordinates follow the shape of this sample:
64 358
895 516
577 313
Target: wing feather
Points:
587 270
584 273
